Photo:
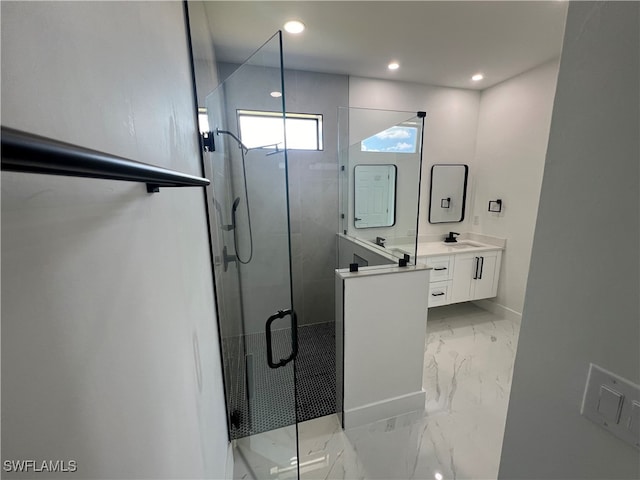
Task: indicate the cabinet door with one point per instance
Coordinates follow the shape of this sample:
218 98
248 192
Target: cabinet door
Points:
464 267
483 285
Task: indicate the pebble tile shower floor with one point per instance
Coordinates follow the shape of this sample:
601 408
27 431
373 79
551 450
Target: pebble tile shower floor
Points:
270 401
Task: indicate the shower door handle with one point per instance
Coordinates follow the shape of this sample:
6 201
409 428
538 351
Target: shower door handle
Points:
294 337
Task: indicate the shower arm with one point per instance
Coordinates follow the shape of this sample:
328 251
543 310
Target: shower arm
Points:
246 149
276 151
232 135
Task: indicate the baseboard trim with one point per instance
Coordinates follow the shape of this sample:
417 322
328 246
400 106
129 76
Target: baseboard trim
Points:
499 309
388 408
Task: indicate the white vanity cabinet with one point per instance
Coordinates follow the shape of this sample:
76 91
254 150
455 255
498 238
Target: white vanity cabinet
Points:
461 277
475 276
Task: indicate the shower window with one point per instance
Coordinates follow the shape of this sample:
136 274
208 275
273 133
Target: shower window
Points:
264 130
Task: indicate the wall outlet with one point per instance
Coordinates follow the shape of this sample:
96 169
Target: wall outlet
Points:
476 219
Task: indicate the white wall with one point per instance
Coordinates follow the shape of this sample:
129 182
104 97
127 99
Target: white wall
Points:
513 129
501 134
109 344
451 124
581 303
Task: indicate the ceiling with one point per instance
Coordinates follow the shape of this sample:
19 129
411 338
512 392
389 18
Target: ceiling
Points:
438 43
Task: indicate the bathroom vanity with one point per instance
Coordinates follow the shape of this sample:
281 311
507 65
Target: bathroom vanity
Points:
465 270
462 271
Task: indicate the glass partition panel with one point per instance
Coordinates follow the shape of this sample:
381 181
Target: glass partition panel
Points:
248 206
380 155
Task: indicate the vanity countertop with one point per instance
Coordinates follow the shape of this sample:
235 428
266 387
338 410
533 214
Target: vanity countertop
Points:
379 270
431 249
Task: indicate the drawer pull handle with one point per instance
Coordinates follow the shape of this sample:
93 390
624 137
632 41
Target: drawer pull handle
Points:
437 294
440 268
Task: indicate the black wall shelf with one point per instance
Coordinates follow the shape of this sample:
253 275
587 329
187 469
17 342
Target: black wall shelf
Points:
29 153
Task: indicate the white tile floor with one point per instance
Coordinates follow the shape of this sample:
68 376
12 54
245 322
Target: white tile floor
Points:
469 356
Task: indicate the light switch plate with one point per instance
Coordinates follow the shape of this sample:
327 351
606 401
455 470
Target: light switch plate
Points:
612 402
609 404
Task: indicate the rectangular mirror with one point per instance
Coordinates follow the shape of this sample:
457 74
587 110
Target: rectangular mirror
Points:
375 196
448 193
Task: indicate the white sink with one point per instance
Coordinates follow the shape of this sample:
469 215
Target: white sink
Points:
463 244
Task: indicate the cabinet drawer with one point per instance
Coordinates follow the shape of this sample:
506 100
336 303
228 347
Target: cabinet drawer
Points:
441 268
439 293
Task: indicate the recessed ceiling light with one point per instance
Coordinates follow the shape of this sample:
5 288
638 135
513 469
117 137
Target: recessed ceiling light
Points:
394 66
276 94
477 77
294 26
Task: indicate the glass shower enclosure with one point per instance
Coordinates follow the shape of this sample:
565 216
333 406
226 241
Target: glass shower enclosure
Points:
248 205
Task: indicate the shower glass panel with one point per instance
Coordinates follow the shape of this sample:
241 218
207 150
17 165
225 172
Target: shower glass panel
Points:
248 207
380 154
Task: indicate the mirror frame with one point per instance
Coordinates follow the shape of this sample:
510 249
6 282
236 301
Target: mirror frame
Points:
464 191
395 193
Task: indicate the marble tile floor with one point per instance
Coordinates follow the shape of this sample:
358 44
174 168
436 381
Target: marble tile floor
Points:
469 355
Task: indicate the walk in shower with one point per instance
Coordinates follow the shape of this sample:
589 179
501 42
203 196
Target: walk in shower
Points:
272 222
